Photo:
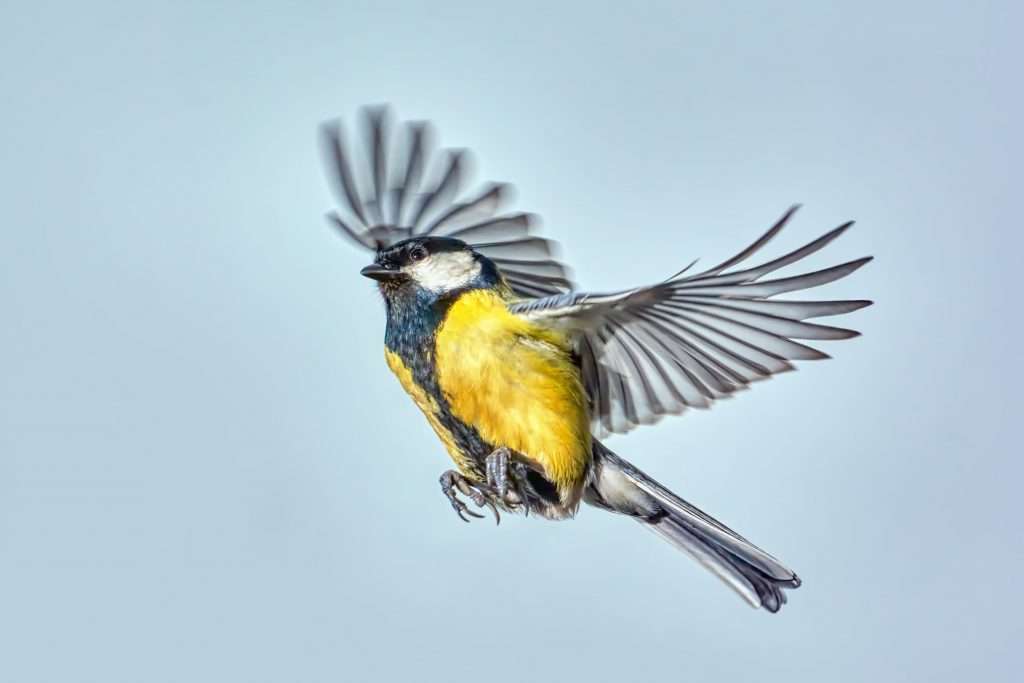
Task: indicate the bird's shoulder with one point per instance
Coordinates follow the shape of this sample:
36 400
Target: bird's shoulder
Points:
490 314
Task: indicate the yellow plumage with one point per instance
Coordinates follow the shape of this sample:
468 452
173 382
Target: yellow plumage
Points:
515 382
429 406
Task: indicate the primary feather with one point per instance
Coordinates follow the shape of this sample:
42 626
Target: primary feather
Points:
691 340
394 203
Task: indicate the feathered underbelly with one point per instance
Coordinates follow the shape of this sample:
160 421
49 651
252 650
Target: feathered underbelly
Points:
517 385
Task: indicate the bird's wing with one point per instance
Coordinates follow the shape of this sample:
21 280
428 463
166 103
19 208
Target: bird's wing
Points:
690 340
399 193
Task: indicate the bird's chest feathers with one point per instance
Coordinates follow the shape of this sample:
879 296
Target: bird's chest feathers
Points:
514 382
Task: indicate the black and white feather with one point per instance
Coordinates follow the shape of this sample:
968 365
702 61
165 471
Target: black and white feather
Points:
691 340
401 191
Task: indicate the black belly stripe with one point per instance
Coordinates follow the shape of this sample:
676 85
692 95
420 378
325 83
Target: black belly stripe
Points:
411 334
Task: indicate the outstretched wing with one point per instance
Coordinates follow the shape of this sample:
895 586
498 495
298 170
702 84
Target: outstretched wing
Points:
690 340
400 192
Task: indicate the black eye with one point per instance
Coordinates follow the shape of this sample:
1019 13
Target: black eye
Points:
417 253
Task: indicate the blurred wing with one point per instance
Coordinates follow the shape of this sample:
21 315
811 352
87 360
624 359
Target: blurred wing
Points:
688 341
400 192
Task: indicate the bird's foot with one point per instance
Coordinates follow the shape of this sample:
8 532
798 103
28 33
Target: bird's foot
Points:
453 483
507 480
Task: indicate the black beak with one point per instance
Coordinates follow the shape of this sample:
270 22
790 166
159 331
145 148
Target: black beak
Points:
379 272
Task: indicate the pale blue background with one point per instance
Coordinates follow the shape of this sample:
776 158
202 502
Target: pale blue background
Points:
207 473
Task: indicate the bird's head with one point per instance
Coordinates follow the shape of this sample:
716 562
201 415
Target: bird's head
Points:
432 265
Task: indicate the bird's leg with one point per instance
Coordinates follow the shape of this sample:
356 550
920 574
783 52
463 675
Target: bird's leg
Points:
505 476
453 483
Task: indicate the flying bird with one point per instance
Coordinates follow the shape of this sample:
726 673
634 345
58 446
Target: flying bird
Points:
521 375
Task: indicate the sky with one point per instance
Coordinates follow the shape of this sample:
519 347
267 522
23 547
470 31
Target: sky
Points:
207 472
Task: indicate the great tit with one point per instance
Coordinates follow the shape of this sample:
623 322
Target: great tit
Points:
520 375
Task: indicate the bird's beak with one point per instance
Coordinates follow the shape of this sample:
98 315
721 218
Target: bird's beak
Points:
380 273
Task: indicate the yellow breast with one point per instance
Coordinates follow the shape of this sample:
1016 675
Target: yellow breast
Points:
429 406
516 384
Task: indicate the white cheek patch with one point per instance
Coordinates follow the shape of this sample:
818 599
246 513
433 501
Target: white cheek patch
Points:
445 271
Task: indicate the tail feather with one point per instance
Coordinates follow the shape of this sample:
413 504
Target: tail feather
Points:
757 576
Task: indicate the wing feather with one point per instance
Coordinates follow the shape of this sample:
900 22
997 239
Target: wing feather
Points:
410 181
343 182
396 207
447 187
689 341
374 122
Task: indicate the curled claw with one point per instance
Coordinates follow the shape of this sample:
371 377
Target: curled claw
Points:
451 480
462 509
505 486
453 483
477 496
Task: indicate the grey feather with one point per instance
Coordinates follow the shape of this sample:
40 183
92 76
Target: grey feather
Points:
690 340
396 207
375 119
446 188
344 183
758 577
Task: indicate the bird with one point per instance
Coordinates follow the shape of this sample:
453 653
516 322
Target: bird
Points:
522 376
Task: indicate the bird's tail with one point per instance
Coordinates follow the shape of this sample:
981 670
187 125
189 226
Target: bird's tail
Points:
757 576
